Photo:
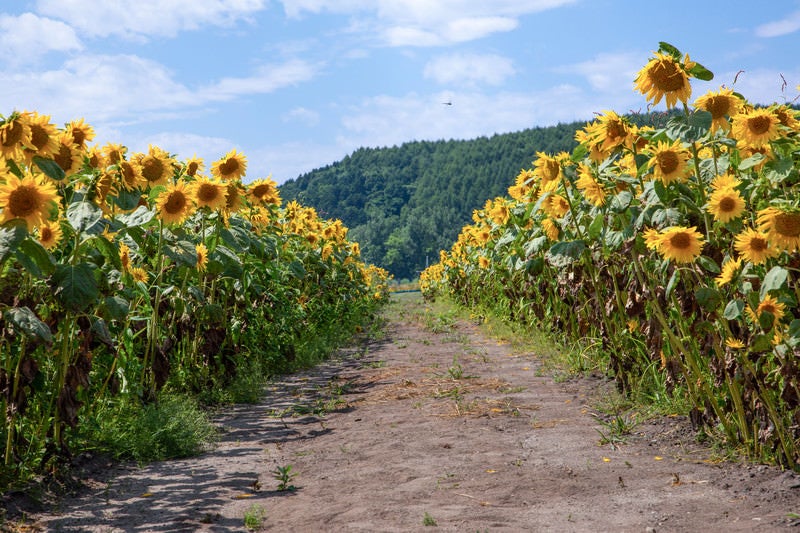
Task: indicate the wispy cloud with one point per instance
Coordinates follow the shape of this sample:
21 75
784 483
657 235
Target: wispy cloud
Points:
303 115
266 79
607 71
469 69
144 18
21 38
789 24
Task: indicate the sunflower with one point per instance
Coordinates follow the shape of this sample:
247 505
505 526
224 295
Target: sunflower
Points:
125 256
787 116
500 211
550 229
664 77
652 238
68 156
734 343
231 167
28 199
590 187
781 226
729 269
130 175
156 165
114 153
50 234
755 128
483 262
174 205
555 205
720 104
233 197
15 135
80 132
606 133
725 204
264 191
202 256
546 168
193 166
770 305
670 162
725 181
754 246
139 274
209 193
680 244
95 158
43 137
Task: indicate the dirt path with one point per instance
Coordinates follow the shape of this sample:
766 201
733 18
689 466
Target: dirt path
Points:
424 428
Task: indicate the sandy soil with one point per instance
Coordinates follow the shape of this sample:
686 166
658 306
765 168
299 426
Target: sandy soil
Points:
434 431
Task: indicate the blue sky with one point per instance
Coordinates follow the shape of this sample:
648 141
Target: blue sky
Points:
299 84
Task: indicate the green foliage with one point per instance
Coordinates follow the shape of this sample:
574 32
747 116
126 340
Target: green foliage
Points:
254 517
284 476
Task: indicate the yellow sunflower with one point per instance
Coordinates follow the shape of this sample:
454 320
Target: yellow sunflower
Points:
264 191
193 166
50 234
130 175
68 156
114 153
80 132
483 262
155 166
681 244
755 128
500 211
202 256
592 190
546 168
725 204
663 77
139 274
28 199
174 205
670 162
555 205
787 116
652 238
96 159
232 167
606 133
209 193
729 269
720 104
754 246
125 256
725 181
15 135
769 304
43 137
550 229
781 226
734 343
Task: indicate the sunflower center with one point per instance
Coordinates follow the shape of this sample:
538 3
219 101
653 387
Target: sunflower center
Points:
229 167
667 161
759 125
788 224
64 157
23 201
191 168
680 241
46 234
152 169
615 130
39 137
666 76
207 193
13 134
175 203
260 191
758 244
78 136
128 174
727 205
718 106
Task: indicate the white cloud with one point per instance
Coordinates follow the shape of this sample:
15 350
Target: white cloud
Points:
26 37
785 26
469 69
147 17
127 88
302 115
427 23
607 71
762 86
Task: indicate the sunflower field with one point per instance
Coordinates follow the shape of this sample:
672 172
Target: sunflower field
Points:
674 250
127 274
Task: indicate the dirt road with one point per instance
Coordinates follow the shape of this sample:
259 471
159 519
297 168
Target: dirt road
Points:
435 427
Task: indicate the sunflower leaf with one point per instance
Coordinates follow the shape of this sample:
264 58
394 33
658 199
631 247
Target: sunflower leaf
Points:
734 309
701 73
32 255
708 263
84 216
751 161
774 279
27 322
50 168
761 343
141 216
11 235
127 200
666 48
766 320
691 128
75 286
563 253
117 307
672 283
708 298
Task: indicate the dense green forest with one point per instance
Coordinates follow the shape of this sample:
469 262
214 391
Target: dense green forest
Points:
405 203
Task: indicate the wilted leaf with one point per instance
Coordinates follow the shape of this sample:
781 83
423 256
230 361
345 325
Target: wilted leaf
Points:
27 321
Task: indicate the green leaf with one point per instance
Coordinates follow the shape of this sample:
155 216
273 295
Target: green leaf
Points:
701 73
182 253
128 200
766 320
564 253
27 322
673 281
50 168
33 256
596 227
689 129
142 215
116 307
794 330
75 286
774 280
84 216
535 245
621 201
708 298
666 48
734 309
761 343
297 269
751 161
11 235
708 264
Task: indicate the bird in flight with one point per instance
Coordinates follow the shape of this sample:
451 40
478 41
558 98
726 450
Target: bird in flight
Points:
447 103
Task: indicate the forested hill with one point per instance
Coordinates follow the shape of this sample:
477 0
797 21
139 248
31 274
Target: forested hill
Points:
405 203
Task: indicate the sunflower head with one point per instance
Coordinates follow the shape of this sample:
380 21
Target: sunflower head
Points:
664 77
264 191
754 246
681 244
50 234
15 135
155 166
80 132
69 155
30 199
202 256
721 104
43 137
232 167
174 205
670 162
755 128
782 227
591 188
546 168
210 193
726 204
193 166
